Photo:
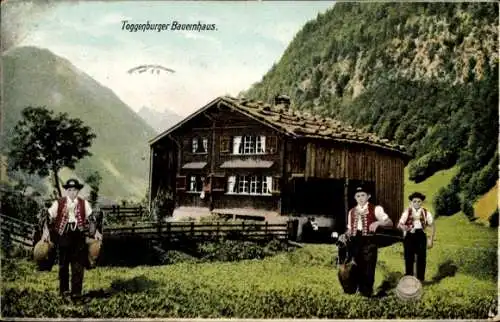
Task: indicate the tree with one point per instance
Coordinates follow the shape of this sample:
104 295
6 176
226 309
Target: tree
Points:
94 181
43 143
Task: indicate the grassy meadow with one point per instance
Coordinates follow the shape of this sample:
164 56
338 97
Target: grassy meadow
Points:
461 283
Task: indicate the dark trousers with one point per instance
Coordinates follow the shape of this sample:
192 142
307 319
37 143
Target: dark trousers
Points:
72 251
365 253
415 244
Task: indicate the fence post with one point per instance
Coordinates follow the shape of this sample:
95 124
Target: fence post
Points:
218 229
267 232
169 231
192 229
159 230
243 234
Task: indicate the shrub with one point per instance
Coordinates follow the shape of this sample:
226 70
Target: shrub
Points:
429 164
468 209
494 219
233 250
16 204
446 202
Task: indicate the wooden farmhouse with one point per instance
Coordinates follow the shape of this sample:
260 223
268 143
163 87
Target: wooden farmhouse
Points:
241 157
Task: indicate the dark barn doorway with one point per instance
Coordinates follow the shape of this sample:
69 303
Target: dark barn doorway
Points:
317 196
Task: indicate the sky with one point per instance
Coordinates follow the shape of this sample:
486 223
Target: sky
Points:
249 38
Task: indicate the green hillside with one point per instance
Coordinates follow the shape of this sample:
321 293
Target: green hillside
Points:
422 74
36 77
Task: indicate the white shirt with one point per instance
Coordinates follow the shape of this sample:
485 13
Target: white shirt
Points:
418 217
71 205
379 214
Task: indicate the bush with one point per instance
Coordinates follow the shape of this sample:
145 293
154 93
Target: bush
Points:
174 256
494 219
468 209
16 204
429 164
446 202
233 250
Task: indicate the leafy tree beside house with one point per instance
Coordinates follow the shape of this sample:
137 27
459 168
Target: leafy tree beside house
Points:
44 143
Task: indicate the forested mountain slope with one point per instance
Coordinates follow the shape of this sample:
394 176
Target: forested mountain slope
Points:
422 74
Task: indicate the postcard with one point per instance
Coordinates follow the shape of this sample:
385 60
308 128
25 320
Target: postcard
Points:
255 160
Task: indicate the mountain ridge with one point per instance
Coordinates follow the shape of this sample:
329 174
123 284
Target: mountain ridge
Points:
36 77
160 121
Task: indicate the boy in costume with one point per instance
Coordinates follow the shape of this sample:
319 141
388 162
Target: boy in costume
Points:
413 223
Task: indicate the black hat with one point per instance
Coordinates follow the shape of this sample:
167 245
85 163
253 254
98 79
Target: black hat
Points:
73 183
418 195
362 188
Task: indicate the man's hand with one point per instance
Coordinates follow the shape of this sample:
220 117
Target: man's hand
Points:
45 235
343 238
98 235
373 227
430 243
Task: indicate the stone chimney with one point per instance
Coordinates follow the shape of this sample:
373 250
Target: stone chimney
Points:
282 101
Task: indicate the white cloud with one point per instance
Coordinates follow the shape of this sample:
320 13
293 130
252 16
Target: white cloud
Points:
112 19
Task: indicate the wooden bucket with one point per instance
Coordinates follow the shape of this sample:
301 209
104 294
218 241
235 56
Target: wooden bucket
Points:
409 288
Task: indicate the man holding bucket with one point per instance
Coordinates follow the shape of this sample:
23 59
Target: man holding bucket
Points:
68 217
362 222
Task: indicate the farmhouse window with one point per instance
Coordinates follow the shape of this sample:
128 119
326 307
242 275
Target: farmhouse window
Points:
199 145
196 183
250 185
249 144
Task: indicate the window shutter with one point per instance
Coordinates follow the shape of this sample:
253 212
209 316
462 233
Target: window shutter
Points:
180 183
276 188
263 144
231 184
207 184
272 144
188 145
225 143
237 144
205 145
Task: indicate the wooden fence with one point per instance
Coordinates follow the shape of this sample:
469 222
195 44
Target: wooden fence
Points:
21 232
128 213
173 231
16 231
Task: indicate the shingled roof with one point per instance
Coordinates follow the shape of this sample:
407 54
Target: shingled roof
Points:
305 124
301 124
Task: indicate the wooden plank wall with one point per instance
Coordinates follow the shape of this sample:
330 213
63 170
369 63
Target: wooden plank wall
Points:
227 123
356 162
164 166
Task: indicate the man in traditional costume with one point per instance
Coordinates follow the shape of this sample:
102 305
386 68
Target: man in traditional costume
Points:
362 222
413 223
68 218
